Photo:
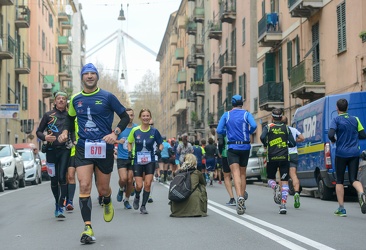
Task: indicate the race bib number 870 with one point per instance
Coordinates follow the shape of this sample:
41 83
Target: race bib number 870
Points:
95 149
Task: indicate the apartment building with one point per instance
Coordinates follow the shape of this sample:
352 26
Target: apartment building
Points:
36 41
275 53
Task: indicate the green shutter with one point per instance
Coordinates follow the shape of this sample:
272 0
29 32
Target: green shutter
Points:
270 67
280 65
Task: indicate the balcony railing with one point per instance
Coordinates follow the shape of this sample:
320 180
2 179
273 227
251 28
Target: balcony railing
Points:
191 62
175 61
67 24
199 14
198 51
6 2
47 85
228 63
7 47
22 16
173 39
269 31
182 76
215 30
304 8
306 81
64 45
181 105
62 16
179 53
271 96
228 11
198 88
191 28
181 22
214 75
23 64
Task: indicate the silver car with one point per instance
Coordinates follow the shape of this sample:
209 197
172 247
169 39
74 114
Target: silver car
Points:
12 164
32 166
253 168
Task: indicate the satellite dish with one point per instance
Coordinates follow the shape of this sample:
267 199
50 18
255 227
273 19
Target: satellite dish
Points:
70 38
68 10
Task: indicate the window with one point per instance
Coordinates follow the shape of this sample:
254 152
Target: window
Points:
43 41
9 90
242 86
243 31
255 105
40 106
341 25
24 98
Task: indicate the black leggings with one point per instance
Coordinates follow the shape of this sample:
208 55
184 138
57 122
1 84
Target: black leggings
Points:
342 163
60 157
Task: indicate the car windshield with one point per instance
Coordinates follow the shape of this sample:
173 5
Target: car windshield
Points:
26 155
254 151
4 151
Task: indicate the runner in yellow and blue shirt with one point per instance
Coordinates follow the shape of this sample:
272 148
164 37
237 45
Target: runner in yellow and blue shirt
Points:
141 148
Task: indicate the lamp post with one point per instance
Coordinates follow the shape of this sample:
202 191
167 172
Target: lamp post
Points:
121 48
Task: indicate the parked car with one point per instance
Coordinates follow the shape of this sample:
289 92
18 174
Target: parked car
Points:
32 166
2 179
13 166
253 167
44 171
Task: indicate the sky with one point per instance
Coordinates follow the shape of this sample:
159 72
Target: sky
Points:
146 21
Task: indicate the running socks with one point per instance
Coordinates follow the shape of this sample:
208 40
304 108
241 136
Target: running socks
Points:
85 208
145 197
271 183
284 190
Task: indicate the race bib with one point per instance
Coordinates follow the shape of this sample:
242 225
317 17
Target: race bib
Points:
51 169
143 157
95 149
125 144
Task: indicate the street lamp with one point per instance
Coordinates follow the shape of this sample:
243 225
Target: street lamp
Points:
121 14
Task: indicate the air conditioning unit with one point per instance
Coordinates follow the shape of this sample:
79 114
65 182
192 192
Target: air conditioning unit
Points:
47 86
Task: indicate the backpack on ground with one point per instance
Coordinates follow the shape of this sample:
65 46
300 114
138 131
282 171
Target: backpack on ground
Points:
180 187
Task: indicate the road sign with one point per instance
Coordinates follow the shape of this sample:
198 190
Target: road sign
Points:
9 111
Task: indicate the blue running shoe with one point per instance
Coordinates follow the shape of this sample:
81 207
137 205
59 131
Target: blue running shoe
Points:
120 195
340 212
127 205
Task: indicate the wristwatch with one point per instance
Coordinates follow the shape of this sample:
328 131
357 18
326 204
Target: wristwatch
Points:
117 131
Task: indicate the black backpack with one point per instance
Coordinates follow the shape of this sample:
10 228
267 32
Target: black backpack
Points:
180 187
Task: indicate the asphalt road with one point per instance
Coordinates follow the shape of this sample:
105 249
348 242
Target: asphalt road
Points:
27 222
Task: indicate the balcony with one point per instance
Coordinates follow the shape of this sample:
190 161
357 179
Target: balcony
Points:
62 17
304 8
64 45
181 22
182 76
191 28
67 25
7 47
172 111
306 81
47 86
22 17
199 14
179 53
191 62
198 51
191 96
215 30
65 73
228 63
175 62
228 11
180 105
198 88
173 39
6 2
214 75
269 32
173 88
23 64
271 96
